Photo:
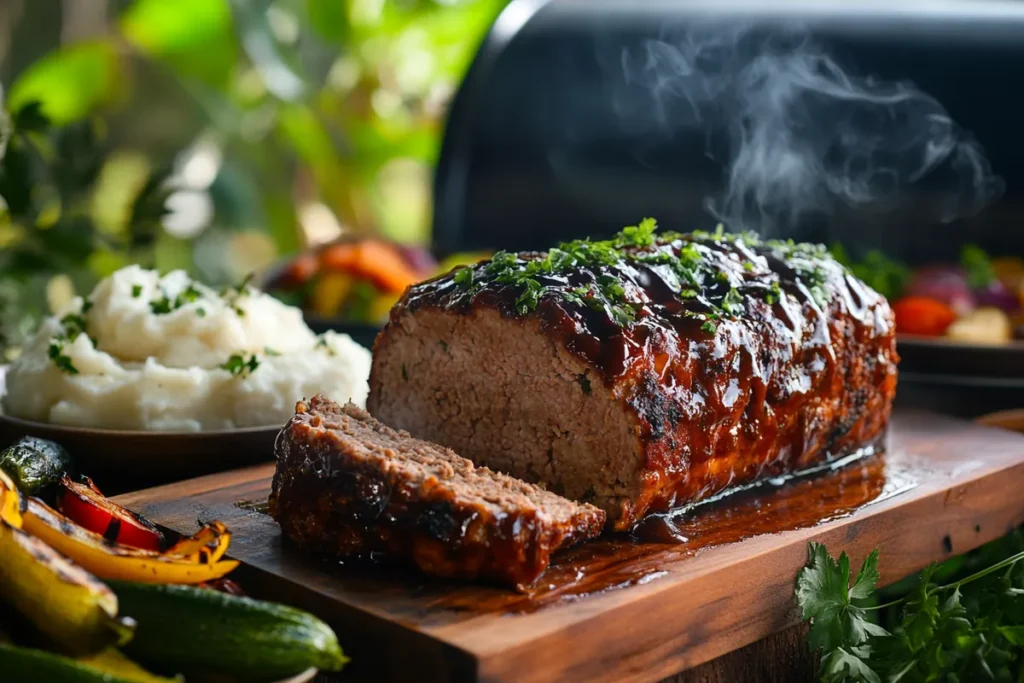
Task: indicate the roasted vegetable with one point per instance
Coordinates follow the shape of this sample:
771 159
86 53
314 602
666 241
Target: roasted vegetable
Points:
379 262
116 664
984 326
85 505
946 284
10 502
108 561
19 664
191 630
207 545
34 464
921 315
65 603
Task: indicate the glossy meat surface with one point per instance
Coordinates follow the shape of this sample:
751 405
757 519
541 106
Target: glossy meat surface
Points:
734 358
347 485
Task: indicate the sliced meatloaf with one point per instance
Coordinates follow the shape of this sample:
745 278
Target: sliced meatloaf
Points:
347 485
644 372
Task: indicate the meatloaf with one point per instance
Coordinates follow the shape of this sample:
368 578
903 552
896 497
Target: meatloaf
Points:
348 485
644 372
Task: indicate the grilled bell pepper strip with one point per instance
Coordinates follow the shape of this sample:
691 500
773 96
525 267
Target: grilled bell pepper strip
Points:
68 605
93 553
208 545
10 502
85 505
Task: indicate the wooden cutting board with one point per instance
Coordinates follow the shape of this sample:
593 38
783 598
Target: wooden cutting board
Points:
622 610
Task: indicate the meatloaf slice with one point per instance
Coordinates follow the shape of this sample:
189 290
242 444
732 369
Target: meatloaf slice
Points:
345 484
645 372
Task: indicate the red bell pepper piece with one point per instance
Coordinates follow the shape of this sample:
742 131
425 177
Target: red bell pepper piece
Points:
85 505
922 315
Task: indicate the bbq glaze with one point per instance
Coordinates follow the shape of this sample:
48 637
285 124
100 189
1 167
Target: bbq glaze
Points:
802 371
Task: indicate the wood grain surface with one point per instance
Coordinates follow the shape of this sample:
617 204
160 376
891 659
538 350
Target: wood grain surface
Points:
943 487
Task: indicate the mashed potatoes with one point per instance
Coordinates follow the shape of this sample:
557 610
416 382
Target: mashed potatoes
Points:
151 353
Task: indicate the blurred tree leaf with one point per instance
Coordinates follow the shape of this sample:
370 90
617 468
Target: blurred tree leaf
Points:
329 18
31 119
194 37
79 157
69 82
300 126
149 209
163 27
279 72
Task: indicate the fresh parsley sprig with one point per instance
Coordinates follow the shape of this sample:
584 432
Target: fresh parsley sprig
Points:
970 629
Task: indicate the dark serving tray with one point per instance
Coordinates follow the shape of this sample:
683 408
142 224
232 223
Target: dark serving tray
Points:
937 356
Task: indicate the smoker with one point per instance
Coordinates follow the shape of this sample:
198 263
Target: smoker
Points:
901 132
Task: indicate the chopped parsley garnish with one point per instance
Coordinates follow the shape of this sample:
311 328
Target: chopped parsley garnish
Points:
86 305
165 304
74 325
233 294
405 373
641 235
136 291
584 383
527 301
59 358
238 366
688 267
732 303
464 277
443 344
321 343
201 312
270 352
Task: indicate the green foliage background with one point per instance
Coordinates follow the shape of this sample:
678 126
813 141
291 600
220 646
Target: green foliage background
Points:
287 110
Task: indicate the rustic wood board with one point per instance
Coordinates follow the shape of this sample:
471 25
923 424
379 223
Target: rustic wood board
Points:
943 487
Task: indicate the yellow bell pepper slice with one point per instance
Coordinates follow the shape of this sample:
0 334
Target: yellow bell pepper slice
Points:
90 551
10 502
207 546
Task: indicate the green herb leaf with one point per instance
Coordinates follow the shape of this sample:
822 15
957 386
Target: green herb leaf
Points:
59 358
321 343
977 265
136 291
824 595
528 300
640 235
165 304
238 366
464 277
842 665
732 302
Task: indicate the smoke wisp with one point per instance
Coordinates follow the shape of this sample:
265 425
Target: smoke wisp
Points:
797 135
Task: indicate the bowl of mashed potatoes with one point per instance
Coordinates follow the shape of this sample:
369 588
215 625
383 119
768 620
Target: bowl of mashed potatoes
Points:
168 362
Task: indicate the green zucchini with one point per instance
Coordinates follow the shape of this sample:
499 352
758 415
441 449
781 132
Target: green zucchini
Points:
189 630
35 464
26 664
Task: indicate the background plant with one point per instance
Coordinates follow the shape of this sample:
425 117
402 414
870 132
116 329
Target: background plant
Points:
215 135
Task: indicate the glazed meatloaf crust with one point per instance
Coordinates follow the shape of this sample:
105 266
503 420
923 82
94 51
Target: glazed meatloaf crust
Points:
645 372
348 485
